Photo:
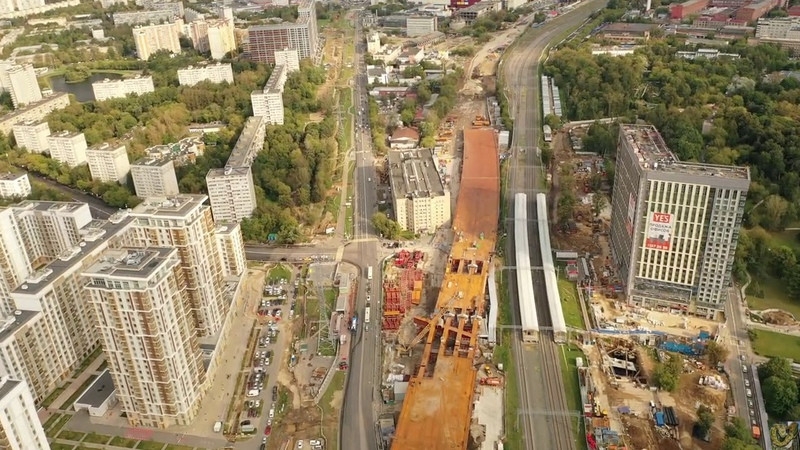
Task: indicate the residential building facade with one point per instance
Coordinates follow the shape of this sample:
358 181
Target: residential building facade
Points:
212 35
106 89
32 135
154 177
14 185
674 225
139 298
214 73
232 193
265 40
20 427
21 82
421 203
289 58
108 163
231 249
67 147
152 38
268 103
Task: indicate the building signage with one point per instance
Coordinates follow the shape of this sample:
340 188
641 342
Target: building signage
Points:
659 231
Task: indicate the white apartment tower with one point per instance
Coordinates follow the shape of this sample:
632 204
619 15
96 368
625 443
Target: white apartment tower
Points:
20 428
232 193
231 249
67 147
154 178
214 73
108 163
212 35
268 103
14 185
106 89
185 223
674 225
21 82
288 58
32 135
139 297
152 38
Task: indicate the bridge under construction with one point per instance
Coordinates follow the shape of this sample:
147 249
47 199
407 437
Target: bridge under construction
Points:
437 409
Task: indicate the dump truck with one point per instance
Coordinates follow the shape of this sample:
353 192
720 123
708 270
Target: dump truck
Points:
491 381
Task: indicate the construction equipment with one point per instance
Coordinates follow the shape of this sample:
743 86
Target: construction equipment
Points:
405 349
490 381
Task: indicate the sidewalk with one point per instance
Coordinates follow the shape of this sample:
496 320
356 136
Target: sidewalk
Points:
77 382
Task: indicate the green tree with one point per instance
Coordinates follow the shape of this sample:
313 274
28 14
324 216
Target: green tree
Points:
776 367
705 418
716 353
780 395
388 228
667 373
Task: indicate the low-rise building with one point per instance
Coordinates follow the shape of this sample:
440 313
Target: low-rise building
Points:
32 135
783 31
108 163
153 177
421 25
106 89
404 138
377 75
214 73
475 10
627 32
683 10
706 53
421 203
374 43
756 10
388 54
14 185
68 147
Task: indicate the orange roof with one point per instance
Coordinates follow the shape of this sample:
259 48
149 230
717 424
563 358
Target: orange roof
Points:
405 133
437 408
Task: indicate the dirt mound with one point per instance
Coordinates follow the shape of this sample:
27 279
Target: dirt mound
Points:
778 317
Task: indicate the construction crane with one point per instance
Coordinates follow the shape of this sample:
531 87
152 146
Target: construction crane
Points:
405 349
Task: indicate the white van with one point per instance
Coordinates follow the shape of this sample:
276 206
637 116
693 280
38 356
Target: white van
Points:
217 427
749 393
271 412
253 393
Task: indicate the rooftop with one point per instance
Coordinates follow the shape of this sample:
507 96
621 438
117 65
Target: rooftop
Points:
10 324
228 172
130 263
50 206
242 154
152 162
10 176
405 133
225 228
7 385
107 147
275 83
65 134
654 155
99 391
621 27
175 206
414 174
56 97
163 153
95 234
30 123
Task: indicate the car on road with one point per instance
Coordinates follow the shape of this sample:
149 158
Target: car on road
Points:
314 442
272 412
299 444
264 440
268 429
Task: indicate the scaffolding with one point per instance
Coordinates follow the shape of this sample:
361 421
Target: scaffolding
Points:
400 293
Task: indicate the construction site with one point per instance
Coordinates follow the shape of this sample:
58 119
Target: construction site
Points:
435 362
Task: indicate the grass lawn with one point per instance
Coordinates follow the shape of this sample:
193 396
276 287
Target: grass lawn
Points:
570 304
59 425
71 435
350 208
78 393
767 292
51 421
330 418
330 297
279 272
572 390
178 447
119 441
60 446
769 343
346 133
150 445
95 438
52 397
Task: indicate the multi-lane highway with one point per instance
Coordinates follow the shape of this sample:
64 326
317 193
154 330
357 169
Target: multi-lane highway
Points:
358 413
543 417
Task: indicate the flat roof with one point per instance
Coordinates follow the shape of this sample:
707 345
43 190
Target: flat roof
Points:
49 206
227 172
97 233
242 154
9 176
280 70
99 391
7 385
11 323
130 263
152 161
414 174
54 98
225 228
65 134
623 27
649 147
175 206
437 410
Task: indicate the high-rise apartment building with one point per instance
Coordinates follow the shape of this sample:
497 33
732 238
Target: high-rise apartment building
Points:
302 35
14 185
32 135
106 89
185 223
20 81
250 142
232 193
108 163
155 12
152 38
68 147
61 332
212 35
231 249
421 203
11 6
153 177
288 58
139 297
214 73
268 103
674 225
20 428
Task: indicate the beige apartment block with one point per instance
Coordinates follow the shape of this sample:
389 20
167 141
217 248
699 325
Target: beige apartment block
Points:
152 38
108 163
421 203
154 177
232 193
20 427
140 300
32 135
68 147
14 185
231 249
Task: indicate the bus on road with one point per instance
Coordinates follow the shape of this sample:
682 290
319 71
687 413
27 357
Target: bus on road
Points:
369 272
366 315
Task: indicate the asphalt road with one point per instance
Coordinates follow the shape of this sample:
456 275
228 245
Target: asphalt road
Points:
358 411
543 417
739 356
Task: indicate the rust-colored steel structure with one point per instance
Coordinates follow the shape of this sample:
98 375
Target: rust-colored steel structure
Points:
437 408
